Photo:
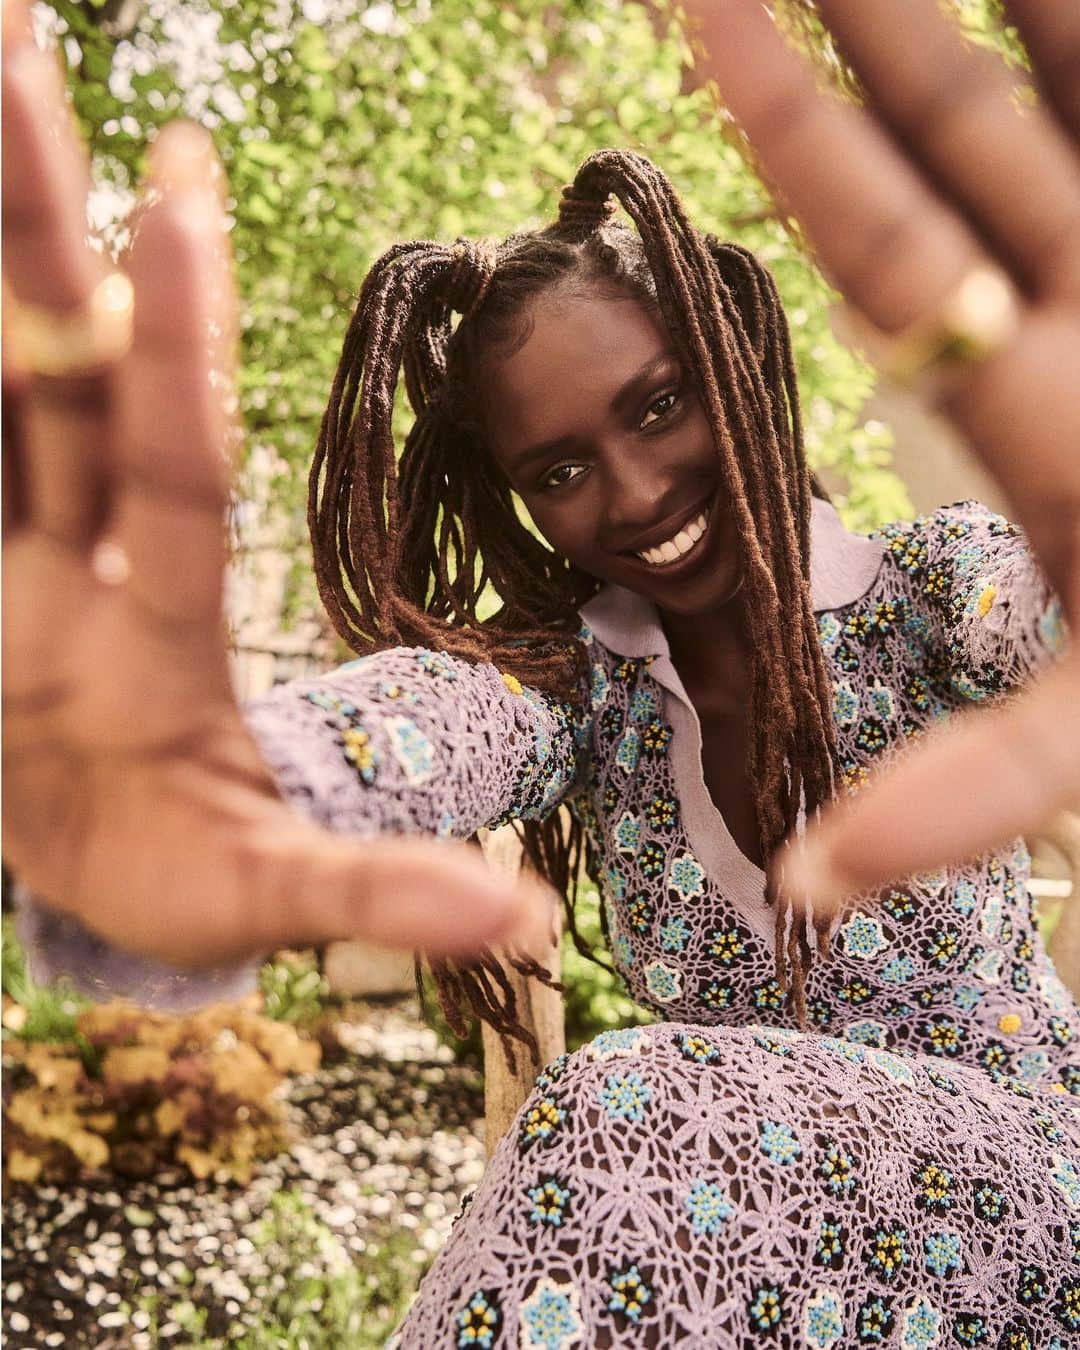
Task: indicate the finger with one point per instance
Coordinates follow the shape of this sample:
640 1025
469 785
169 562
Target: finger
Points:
13 390
1013 173
303 886
1021 413
892 246
968 789
897 251
1051 32
176 417
48 263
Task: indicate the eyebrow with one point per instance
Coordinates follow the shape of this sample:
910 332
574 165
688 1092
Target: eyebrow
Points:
622 397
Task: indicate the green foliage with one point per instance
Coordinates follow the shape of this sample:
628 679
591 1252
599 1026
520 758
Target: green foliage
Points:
408 120
293 989
49 1011
317 1295
595 1000
328 1299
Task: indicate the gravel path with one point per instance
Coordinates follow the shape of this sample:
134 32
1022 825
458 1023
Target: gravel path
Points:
388 1140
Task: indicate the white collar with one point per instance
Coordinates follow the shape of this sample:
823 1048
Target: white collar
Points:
843 567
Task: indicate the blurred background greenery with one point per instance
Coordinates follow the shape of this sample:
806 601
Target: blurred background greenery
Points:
345 127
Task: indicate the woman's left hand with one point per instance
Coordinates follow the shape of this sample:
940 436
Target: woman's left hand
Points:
943 171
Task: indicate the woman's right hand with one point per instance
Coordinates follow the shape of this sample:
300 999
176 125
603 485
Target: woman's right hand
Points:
135 798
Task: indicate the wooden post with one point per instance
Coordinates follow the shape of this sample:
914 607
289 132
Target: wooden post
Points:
1064 834
540 1010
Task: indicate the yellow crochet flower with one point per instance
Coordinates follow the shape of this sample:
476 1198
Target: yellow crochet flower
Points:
987 596
512 683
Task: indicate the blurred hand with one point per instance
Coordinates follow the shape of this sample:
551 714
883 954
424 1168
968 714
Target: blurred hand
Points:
134 797
942 171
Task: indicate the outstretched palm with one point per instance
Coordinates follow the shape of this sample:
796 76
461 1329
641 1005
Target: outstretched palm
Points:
134 796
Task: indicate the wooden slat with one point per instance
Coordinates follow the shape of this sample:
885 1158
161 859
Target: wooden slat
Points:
539 1009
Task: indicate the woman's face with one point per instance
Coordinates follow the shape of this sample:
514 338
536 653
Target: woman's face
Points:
601 433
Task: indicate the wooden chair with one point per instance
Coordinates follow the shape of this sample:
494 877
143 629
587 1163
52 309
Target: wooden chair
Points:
540 1010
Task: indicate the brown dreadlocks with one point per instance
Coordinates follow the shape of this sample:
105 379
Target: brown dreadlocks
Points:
404 550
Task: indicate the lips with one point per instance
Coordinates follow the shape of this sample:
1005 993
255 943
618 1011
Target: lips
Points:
673 541
679 545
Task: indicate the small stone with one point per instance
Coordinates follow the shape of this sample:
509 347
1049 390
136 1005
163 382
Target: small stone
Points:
112 1319
19 1322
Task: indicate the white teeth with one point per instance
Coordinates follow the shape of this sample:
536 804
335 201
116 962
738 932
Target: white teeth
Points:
680 545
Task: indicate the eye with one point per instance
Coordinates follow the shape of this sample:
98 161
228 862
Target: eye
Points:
661 406
562 474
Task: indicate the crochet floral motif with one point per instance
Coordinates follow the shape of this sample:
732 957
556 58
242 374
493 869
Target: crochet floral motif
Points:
635 1188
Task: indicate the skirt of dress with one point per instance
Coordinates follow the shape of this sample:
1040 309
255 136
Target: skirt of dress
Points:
680 1185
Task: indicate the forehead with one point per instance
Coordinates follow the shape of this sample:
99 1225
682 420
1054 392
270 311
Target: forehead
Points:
579 350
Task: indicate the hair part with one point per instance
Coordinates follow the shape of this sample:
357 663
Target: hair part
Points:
404 550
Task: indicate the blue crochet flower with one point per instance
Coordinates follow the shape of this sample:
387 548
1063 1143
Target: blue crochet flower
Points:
686 876
622 950
863 936
663 983
942 1253
697 1048
707 1207
766 1307
845 703
778 1142
549 1202
600 686
627 833
920 1327
823 1321
629 751
674 934
643 706
478 1321
626 1098
629 1293
551 1317
899 970
1066 1179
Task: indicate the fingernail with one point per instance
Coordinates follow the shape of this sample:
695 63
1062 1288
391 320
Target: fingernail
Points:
810 875
533 931
183 158
17 27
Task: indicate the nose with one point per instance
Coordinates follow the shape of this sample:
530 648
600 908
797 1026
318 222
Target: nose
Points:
639 493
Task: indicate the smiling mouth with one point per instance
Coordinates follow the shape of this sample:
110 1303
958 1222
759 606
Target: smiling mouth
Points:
676 548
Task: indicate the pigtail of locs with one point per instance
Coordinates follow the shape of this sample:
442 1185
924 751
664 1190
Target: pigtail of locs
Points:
722 309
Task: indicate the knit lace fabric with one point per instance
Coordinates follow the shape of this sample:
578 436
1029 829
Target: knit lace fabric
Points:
907 1171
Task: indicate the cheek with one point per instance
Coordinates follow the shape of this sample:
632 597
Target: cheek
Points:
563 528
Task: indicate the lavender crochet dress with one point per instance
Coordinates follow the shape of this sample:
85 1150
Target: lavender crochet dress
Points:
906 1173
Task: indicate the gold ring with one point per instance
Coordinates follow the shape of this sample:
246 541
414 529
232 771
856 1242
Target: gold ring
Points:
975 321
75 342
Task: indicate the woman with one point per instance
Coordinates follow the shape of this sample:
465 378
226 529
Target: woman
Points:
734 617
612 1206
